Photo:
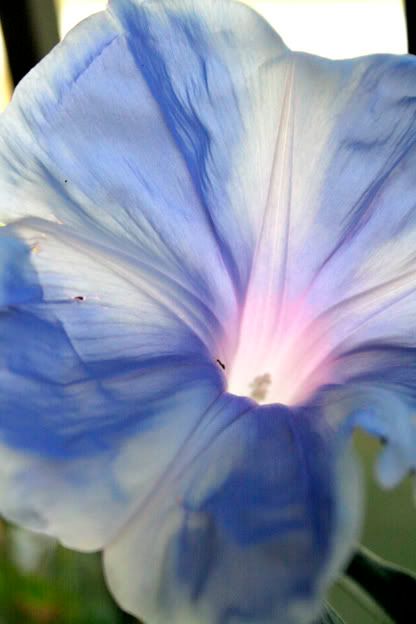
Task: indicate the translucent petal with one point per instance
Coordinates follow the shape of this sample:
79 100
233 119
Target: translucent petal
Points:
85 499
132 281
377 392
225 174
192 191
104 135
15 283
334 266
96 371
246 525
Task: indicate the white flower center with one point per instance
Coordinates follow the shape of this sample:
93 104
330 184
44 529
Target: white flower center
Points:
280 358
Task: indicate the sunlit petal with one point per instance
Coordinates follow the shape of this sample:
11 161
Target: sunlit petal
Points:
225 538
101 382
190 206
334 265
15 283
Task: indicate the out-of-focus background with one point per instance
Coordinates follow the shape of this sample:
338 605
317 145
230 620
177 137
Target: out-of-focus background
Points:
43 583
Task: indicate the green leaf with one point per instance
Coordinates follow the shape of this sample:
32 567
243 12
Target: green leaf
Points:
391 587
330 616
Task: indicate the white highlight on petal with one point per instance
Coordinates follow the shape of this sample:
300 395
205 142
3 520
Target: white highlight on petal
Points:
285 363
280 355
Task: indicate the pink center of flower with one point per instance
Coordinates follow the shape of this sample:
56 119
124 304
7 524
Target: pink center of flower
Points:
282 353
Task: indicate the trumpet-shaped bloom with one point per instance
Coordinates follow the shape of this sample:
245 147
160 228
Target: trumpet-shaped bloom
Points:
208 281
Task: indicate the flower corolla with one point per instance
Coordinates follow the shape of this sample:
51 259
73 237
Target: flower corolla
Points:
208 280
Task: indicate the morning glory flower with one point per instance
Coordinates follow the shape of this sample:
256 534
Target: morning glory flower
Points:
208 281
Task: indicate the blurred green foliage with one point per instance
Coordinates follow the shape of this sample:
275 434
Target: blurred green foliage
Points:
389 531
63 588
43 583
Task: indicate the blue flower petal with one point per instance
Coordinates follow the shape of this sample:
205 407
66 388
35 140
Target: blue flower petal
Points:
245 526
98 372
103 135
15 282
377 394
362 275
134 282
83 447
192 191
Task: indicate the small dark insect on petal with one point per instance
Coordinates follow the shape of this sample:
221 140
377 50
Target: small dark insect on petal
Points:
221 364
65 181
79 298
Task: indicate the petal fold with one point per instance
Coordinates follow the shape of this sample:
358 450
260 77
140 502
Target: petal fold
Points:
15 283
180 189
250 523
95 369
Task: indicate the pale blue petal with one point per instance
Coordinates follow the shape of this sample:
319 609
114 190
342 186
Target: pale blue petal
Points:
85 499
98 372
377 392
364 280
245 526
15 282
333 281
107 135
85 451
131 289
179 170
